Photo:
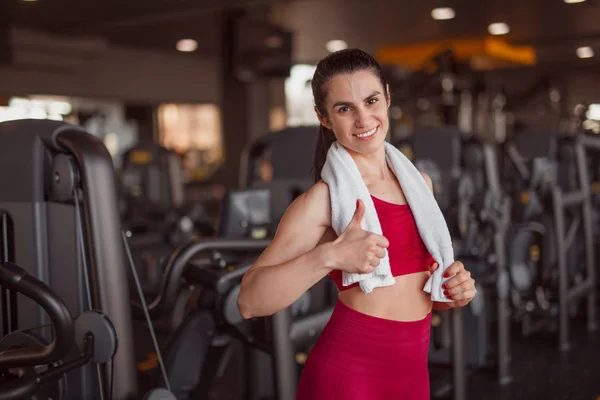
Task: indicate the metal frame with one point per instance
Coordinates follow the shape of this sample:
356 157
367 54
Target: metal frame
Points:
45 243
500 221
286 333
561 202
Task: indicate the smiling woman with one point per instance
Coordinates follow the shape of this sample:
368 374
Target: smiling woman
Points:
375 344
351 99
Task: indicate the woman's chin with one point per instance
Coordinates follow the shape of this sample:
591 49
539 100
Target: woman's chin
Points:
365 147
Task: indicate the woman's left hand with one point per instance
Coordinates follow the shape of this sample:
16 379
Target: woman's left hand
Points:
460 288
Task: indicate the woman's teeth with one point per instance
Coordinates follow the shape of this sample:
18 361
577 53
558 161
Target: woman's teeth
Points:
367 134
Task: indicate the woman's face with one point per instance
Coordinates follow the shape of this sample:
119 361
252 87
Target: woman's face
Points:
357 107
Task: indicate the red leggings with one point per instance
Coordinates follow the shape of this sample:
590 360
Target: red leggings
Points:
360 357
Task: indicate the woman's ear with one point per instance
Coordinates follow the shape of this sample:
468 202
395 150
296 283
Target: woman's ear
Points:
322 119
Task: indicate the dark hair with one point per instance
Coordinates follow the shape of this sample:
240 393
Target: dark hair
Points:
340 62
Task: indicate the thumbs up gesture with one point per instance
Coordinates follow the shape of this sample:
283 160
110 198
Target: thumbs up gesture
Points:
356 250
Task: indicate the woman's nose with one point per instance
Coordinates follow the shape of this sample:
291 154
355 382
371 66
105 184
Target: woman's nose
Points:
361 118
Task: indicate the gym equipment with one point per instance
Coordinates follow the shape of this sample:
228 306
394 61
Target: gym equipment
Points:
555 199
207 335
151 181
289 155
61 225
22 353
466 183
440 94
154 210
247 214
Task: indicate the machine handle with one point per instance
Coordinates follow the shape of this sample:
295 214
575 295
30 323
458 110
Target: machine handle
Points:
177 263
16 279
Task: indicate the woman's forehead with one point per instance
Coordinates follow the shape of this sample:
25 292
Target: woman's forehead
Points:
353 86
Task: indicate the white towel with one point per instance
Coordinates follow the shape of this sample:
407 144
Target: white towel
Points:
346 186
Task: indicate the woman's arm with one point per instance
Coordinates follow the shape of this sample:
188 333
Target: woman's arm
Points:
294 261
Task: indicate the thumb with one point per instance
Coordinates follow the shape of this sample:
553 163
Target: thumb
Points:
358 214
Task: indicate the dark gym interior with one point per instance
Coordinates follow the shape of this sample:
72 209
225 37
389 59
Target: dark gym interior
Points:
150 148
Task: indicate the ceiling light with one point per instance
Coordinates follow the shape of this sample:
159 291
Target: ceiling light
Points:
573 1
187 45
498 28
593 112
585 52
336 45
443 13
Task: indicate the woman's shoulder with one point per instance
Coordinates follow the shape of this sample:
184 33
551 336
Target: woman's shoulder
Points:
427 180
315 201
319 191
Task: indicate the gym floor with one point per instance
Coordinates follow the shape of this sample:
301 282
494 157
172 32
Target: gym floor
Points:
539 370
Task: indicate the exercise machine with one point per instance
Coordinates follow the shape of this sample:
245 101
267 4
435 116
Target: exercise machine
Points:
553 259
466 184
29 365
60 225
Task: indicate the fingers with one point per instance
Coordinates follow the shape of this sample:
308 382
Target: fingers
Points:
467 295
464 291
457 279
454 269
381 241
369 266
358 214
433 267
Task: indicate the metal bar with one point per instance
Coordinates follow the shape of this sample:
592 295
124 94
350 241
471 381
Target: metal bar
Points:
458 356
573 227
8 298
502 291
590 258
580 290
284 358
590 142
573 198
310 326
4 325
559 223
101 227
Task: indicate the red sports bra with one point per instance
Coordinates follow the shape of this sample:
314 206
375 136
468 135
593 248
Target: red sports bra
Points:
407 252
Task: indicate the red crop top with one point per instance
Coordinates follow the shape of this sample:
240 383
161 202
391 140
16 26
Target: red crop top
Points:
407 252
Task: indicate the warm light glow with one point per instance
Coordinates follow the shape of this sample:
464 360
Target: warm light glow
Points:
573 1
443 13
498 28
593 112
35 108
187 45
585 52
336 45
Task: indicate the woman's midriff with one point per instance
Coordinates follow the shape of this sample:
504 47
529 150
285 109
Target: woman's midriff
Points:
403 301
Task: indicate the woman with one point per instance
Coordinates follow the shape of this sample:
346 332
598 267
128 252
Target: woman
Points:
375 345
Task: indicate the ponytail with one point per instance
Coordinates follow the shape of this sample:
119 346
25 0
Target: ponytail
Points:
324 142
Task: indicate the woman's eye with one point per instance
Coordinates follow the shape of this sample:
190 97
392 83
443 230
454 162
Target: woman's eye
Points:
344 109
372 101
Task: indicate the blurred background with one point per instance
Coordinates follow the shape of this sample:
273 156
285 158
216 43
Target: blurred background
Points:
205 78
206 109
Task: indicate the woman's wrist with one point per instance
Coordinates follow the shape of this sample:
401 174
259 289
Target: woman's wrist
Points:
327 257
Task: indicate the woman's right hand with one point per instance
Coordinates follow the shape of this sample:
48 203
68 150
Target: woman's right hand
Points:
356 250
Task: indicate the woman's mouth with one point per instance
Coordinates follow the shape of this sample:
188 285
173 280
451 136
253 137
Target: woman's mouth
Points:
367 135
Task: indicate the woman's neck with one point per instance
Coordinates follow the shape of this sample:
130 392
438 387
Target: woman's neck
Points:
372 165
